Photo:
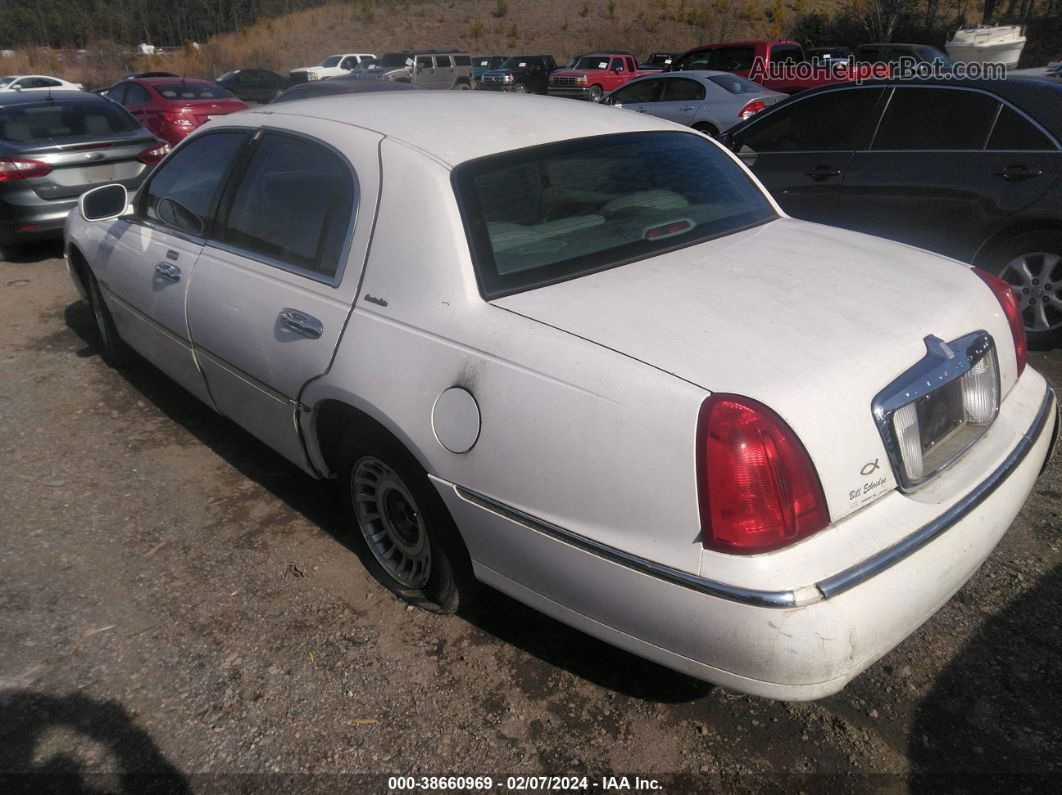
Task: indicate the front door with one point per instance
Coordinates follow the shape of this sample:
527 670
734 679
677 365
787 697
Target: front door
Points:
946 168
801 150
154 252
275 284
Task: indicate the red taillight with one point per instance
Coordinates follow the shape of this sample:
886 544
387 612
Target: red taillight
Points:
12 169
758 488
752 109
154 154
1004 293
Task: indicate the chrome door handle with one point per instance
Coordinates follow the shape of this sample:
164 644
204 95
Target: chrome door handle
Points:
301 323
168 271
686 107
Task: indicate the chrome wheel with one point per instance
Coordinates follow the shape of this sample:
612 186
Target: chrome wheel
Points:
1036 278
391 522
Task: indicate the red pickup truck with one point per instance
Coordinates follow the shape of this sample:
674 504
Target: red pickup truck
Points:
775 64
594 75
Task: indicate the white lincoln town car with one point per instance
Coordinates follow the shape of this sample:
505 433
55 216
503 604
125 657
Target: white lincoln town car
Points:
584 358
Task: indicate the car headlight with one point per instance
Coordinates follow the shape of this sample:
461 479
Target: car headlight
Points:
580 79
312 76
508 79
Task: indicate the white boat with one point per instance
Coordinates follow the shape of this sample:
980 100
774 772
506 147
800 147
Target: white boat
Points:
986 44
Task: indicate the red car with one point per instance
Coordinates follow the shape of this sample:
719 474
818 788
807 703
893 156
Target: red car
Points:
171 107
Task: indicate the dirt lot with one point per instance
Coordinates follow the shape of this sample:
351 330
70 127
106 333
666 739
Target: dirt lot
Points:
178 602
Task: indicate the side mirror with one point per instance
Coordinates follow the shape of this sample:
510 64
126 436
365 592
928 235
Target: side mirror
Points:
103 203
617 68
727 140
16 87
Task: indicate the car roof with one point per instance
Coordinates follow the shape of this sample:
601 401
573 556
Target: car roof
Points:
25 98
169 81
456 126
18 77
1040 99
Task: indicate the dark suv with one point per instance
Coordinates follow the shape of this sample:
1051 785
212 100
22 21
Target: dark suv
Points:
521 74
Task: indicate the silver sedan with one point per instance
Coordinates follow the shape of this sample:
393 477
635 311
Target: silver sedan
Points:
708 101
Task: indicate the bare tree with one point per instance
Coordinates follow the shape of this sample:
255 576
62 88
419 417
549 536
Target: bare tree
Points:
880 17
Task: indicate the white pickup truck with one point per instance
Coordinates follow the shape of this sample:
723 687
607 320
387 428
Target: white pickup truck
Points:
332 66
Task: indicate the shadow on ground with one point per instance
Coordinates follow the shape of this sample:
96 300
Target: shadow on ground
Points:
43 742
32 253
495 613
994 716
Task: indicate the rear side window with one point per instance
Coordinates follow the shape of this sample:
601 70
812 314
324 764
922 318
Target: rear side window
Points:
295 204
190 179
463 60
1016 133
681 89
135 94
56 120
557 212
824 123
117 93
936 118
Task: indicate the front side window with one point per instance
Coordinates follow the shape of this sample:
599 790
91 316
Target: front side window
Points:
182 192
443 61
556 212
824 123
424 62
637 92
295 204
936 118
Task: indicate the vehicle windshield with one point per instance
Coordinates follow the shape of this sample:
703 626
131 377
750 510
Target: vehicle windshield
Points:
482 62
392 60
592 62
561 211
735 84
933 54
58 119
190 91
331 60
229 75
516 62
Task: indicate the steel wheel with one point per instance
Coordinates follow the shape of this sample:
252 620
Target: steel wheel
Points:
391 522
1036 278
519 88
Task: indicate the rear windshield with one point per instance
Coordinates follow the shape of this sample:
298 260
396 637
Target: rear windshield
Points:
50 121
556 212
591 62
182 91
736 84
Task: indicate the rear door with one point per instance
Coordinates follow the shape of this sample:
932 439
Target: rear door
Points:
444 71
801 150
153 253
680 100
275 283
946 167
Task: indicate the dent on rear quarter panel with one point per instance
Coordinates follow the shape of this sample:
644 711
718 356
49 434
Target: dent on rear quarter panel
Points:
572 433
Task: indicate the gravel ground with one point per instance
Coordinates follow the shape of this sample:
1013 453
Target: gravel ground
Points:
178 608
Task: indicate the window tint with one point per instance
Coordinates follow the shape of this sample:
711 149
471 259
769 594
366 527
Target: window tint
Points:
560 211
786 53
58 119
117 93
1013 132
736 84
936 118
463 60
295 203
443 61
135 94
191 178
681 89
424 62
638 91
723 59
824 123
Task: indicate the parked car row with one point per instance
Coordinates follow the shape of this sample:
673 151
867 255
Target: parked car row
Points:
834 430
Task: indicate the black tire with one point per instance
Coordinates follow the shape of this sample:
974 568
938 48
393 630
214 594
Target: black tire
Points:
707 129
595 93
112 348
410 518
463 86
520 88
1038 286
